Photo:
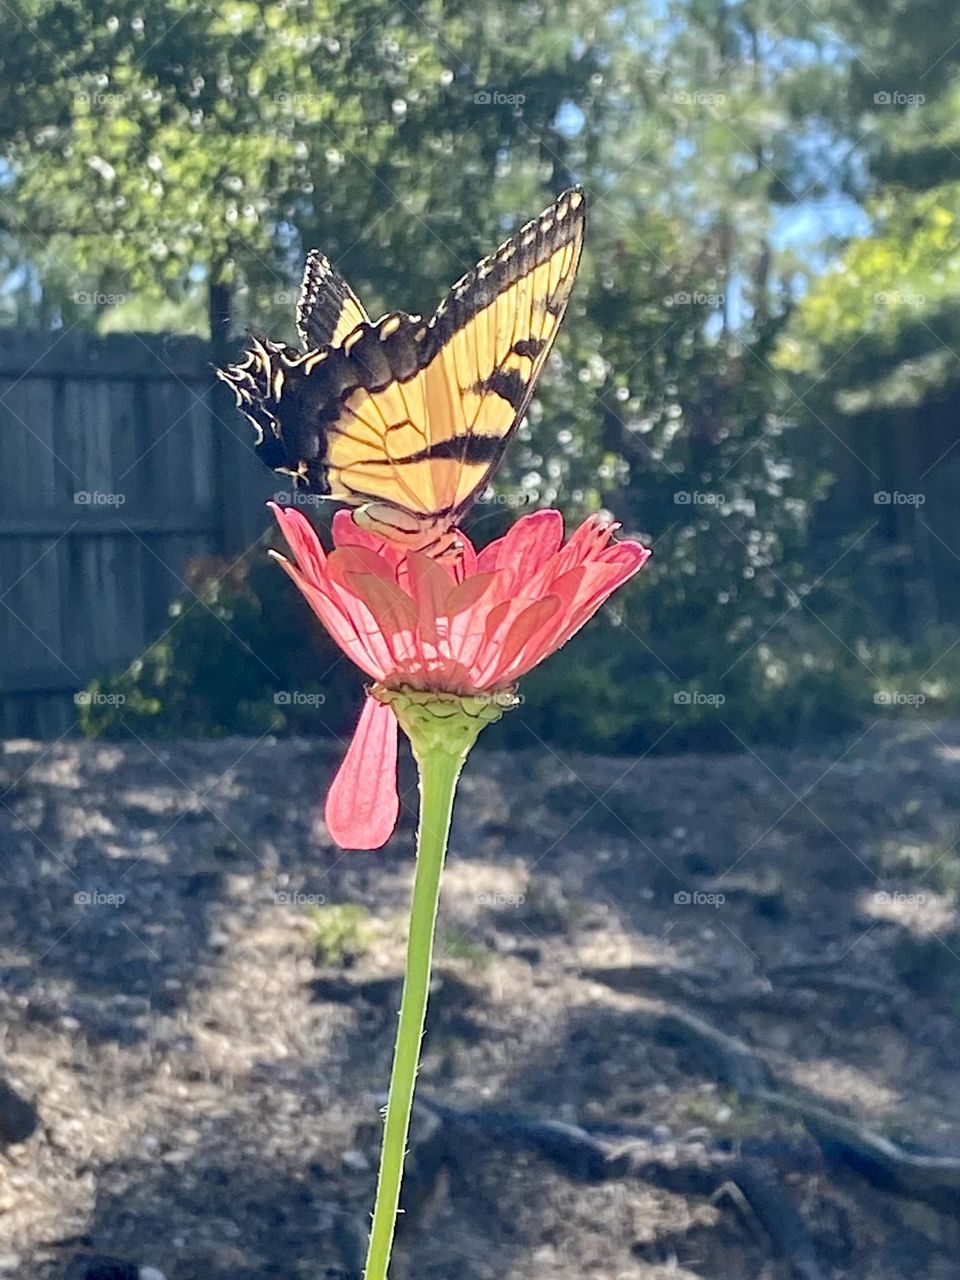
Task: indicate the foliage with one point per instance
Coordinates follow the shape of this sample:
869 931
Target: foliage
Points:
241 655
339 933
184 147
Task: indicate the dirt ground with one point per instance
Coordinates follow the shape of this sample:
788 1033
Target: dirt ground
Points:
664 952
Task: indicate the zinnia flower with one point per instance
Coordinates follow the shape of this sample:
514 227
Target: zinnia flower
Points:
470 627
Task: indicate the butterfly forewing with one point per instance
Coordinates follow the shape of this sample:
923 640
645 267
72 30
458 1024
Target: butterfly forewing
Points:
442 429
327 308
414 415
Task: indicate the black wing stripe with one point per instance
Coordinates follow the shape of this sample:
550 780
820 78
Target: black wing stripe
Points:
506 383
466 449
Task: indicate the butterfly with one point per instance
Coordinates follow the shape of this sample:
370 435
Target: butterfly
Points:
407 419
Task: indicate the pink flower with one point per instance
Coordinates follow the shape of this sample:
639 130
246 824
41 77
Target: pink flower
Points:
471 625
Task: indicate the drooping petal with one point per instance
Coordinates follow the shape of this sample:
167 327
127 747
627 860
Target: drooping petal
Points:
362 804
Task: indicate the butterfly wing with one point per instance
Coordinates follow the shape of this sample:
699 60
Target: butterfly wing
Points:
428 428
327 308
408 418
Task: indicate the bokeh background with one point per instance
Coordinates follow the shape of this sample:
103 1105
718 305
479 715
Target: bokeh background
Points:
759 374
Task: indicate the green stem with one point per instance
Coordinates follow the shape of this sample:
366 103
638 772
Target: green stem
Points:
439 771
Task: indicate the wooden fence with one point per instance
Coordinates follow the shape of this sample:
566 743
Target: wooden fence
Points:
119 461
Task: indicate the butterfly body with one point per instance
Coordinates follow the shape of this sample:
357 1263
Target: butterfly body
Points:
406 419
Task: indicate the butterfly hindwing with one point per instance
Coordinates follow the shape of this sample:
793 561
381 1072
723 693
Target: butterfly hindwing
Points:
408 415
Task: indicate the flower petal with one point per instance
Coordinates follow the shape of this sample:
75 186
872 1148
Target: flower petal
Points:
356 559
366 650
362 804
347 533
430 584
528 545
466 594
524 633
303 541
